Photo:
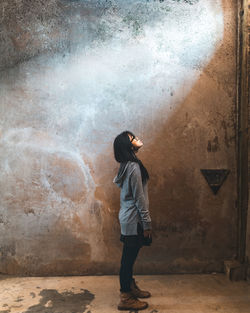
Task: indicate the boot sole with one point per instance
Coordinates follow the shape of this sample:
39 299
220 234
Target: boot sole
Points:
122 308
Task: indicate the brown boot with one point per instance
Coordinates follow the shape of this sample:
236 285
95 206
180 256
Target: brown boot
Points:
138 292
130 302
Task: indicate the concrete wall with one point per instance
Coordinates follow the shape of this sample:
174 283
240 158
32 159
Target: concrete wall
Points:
77 73
248 71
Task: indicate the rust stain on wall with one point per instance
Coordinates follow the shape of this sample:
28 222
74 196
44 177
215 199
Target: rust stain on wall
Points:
213 145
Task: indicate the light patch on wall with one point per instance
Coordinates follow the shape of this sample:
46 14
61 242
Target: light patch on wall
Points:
98 87
144 73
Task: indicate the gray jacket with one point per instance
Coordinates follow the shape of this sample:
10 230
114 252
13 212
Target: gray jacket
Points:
133 199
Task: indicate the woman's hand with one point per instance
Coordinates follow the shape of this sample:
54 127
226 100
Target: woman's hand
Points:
147 233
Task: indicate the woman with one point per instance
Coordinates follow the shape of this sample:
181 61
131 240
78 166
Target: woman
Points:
134 216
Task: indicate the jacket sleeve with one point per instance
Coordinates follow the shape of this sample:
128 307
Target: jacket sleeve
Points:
139 197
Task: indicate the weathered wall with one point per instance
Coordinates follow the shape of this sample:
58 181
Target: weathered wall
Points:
247 12
74 75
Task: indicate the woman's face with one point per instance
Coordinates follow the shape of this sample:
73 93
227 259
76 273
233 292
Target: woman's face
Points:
136 142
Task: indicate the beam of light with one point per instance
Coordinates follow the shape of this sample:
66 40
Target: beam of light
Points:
97 86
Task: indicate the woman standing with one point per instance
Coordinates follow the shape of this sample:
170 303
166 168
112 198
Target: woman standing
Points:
134 216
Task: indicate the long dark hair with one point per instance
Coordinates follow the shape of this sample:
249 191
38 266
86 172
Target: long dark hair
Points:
124 151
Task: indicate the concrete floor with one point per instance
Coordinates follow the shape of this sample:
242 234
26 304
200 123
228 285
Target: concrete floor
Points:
100 294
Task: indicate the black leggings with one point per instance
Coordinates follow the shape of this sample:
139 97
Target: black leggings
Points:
129 255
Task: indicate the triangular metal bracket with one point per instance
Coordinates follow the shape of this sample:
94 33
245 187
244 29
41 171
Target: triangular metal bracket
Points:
215 178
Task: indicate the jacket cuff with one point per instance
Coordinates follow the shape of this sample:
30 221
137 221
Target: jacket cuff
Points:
146 225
